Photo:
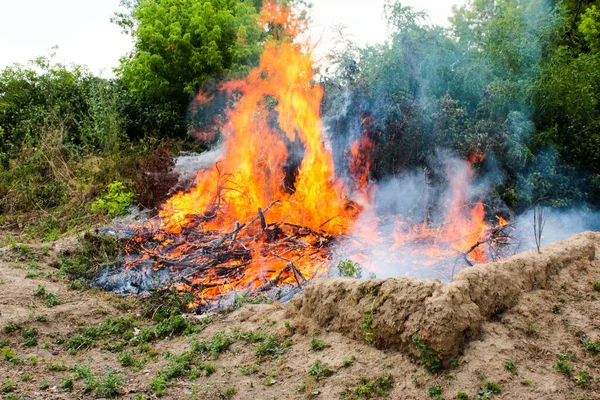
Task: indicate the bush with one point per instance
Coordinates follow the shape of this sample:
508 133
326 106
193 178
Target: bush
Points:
115 202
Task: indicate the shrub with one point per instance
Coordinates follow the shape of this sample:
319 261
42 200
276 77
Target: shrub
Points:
349 269
115 202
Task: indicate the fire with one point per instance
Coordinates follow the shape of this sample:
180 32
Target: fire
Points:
270 209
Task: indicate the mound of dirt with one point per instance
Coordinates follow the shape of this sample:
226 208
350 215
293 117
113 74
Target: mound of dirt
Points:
387 313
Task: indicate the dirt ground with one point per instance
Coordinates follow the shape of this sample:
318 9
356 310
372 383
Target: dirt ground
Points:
521 349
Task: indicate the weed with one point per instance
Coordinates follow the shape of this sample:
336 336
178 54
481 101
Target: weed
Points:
366 326
9 355
349 269
563 367
489 390
289 326
57 367
78 343
79 284
563 286
596 285
109 384
228 393
41 318
67 383
583 379
435 390
348 361
319 370
33 360
8 386
127 359
594 347
427 357
162 304
376 387
44 385
218 344
527 382
563 299
85 373
454 361
272 346
247 336
462 395
556 309
114 346
532 329
40 291
510 366
250 370
10 328
570 356
317 344
269 380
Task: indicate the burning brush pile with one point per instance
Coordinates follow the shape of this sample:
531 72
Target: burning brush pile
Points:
271 214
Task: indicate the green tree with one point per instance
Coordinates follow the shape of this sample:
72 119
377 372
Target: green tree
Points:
181 44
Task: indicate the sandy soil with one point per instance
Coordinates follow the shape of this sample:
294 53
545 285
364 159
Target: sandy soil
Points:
533 332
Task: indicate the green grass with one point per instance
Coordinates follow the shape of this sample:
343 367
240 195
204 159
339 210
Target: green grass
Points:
489 390
8 386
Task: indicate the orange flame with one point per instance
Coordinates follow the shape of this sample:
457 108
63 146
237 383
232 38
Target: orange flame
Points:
278 104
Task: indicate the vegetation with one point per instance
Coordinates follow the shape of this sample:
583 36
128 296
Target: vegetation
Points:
427 357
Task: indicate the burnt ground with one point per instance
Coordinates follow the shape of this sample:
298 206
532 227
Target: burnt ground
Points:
533 350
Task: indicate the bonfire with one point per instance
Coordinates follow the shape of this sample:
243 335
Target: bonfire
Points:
273 213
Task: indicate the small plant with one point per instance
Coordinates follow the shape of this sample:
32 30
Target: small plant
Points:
33 360
583 379
454 361
272 346
366 326
556 309
462 395
79 285
44 385
563 286
57 367
10 328
435 390
250 370
348 361
596 285
427 357
489 390
563 299
67 383
317 344
376 387
9 386
41 318
510 366
563 367
349 269
109 384
532 329
126 359
320 370
229 393
269 380
527 382
9 355
114 202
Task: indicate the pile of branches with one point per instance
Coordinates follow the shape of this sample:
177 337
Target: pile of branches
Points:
195 254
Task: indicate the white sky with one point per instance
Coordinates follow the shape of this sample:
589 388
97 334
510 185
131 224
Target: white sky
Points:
84 34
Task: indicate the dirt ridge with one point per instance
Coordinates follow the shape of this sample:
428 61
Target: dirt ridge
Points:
387 313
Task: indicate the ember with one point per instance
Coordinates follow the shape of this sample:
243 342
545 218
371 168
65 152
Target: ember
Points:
255 221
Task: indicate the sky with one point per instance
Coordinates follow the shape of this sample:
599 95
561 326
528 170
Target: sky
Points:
84 34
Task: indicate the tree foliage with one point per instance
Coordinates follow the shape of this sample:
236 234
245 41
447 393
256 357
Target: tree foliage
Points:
181 44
